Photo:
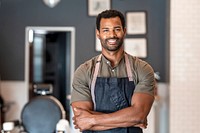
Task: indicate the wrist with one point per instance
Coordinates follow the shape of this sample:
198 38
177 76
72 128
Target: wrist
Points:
95 120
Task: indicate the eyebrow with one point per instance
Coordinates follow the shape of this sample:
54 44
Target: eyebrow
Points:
113 27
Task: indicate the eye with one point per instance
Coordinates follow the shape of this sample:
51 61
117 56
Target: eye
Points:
105 30
117 29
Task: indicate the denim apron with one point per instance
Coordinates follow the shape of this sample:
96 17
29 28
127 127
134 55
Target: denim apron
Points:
112 94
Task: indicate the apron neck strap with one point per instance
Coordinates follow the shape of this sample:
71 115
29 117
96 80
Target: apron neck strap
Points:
128 68
96 70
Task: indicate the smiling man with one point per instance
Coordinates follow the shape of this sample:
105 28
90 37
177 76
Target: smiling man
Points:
114 91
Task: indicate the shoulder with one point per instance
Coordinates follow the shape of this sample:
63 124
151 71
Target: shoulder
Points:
141 69
87 65
85 70
139 64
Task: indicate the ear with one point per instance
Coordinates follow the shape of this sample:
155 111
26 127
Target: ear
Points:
124 31
97 33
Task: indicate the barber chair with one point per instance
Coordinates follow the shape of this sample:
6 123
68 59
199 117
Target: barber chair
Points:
40 115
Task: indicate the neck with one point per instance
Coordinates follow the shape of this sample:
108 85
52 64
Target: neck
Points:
113 57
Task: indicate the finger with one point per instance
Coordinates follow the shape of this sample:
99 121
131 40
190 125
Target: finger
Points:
76 127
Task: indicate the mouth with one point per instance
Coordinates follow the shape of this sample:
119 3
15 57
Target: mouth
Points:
112 41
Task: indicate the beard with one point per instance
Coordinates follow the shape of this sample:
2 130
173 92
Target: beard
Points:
118 44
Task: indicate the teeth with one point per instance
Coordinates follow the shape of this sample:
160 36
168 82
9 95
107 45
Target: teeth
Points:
112 40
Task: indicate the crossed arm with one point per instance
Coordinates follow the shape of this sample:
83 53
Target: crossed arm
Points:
135 115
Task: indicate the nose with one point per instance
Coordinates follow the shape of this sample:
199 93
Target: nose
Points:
113 34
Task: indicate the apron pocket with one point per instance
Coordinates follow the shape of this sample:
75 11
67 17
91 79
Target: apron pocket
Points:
118 99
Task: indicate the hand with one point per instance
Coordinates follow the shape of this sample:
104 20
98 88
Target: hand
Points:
83 119
142 125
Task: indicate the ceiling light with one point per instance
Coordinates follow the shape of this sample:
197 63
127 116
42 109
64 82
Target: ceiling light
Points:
51 3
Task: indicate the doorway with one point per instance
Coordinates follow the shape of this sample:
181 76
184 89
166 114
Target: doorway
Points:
50 55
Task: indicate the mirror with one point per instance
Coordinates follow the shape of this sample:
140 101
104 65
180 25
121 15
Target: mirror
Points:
50 55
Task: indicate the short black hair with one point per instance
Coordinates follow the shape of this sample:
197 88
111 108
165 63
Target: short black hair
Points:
109 14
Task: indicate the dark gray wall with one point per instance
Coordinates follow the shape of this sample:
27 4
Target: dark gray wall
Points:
15 15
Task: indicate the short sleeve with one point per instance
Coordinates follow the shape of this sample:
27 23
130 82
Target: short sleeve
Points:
80 84
145 77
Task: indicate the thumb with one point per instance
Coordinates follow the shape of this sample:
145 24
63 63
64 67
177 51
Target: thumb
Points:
77 111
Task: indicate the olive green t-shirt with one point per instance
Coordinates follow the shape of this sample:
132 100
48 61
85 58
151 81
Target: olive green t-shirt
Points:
142 72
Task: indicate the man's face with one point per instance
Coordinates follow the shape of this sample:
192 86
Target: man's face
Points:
111 33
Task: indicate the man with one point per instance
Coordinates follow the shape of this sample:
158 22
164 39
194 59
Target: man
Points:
114 91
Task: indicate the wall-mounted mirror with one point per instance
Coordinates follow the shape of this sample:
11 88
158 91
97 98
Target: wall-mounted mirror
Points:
50 55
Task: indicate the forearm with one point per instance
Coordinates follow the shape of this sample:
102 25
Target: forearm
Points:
123 118
100 128
106 126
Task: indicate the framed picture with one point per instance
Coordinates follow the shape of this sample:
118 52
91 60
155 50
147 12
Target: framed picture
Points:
97 6
136 47
136 22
